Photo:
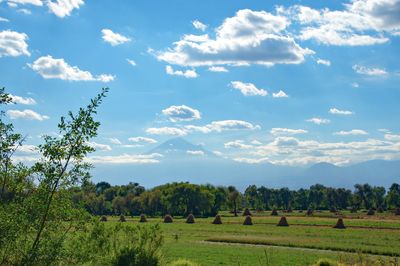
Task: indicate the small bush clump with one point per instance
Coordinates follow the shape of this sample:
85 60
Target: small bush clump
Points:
190 219
380 209
168 219
339 224
183 262
122 218
103 218
247 220
371 212
325 262
283 222
142 218
274 212
217 219
246 212
309 212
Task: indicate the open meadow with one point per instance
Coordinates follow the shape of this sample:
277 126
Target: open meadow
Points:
372 240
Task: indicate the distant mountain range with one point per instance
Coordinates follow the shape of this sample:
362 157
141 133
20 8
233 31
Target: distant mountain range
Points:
184 161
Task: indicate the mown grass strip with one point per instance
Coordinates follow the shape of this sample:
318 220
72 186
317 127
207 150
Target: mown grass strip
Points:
266 242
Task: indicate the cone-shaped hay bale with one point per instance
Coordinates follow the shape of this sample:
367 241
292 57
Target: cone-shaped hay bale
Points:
168 219
103 218
283 222
247 220
274 212
371 212
246 212
122 218
309 212
397 211
339 224
142 219
190 219
217 219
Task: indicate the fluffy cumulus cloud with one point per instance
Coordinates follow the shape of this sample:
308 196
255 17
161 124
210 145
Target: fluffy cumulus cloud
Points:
181 113
363 70
223 125
99 146
196 153
199 25
249 37
4 19
248 89
392 137
191 73
114 38
60 8
336 111
318 121
280 94
287 131
13 43
142 140
52 68
126 159
217 69
171 131
323 62
23 100
361 22
353 132
26 114
237 144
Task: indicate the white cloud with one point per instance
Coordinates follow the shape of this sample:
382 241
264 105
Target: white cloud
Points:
336 111
142 140
287 131
99 146
114 38
369 71
131 62
115 141
251 160
181 113
197 153
61 8
355 85
24 11
52 68
392 137
217 69
22 100
126 159
280 94
26 114
249 37
191 73
323 62
166 131
256 142
26 148
318 121
237 144
353 132
223 125
13 43
248 89
4 19
198 25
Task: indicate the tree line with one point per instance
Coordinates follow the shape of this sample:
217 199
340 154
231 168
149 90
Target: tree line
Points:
207 200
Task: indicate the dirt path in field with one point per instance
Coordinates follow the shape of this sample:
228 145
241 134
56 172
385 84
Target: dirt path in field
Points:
291 248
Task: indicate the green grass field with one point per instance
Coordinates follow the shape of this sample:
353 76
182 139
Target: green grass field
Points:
367 238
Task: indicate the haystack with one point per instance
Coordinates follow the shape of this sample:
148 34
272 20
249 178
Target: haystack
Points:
103 218
168 219
122 218
309 212
397 211
190 219
142 218
246 212
247 220
274 212
339 224
283 222
217 219
371 212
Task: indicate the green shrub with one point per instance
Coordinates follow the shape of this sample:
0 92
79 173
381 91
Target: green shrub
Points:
325 262
183 262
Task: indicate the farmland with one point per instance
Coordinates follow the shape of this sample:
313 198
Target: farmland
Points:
307 239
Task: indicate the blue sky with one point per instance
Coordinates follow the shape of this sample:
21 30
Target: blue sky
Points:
286 82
